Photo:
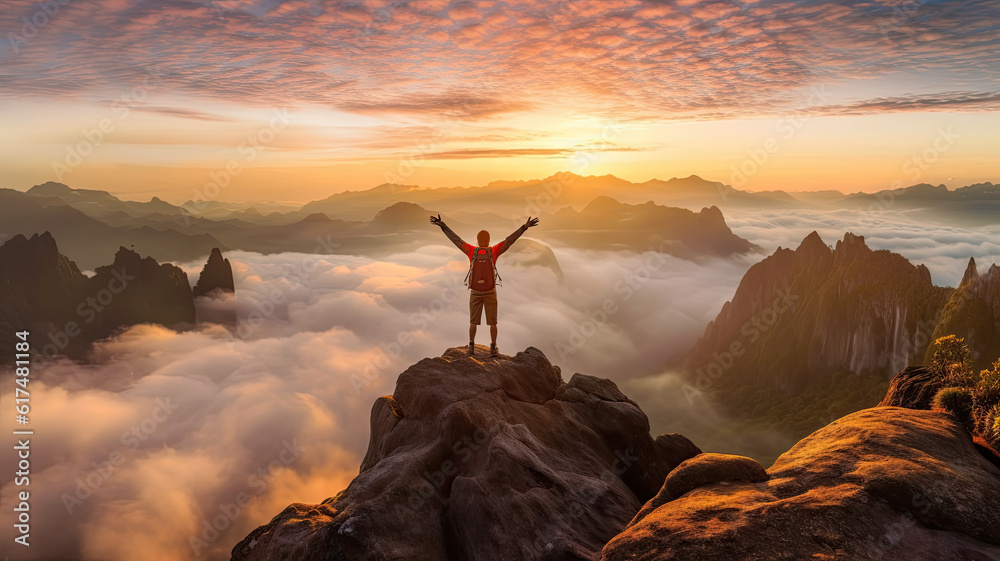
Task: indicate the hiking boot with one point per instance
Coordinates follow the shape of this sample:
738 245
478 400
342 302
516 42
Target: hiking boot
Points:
493 350
472 348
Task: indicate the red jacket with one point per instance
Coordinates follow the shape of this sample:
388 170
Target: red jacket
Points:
497 250
468 248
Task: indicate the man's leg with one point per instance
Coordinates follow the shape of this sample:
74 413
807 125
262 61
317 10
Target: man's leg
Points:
472 333
491 319
475 317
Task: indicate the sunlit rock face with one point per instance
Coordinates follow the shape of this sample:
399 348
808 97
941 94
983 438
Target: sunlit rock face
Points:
801 316
489 459
882 483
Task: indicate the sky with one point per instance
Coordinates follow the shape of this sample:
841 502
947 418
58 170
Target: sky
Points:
302 99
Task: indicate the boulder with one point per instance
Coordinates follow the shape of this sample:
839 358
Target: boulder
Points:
702 470
882 483
913 388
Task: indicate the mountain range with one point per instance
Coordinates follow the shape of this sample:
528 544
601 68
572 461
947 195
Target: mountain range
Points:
88 240
970 205
92 223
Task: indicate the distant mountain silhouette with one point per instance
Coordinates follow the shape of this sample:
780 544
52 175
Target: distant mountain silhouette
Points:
399 217
99 204
608 224
540 196
87 240
972 205
43 292
925 192
401 226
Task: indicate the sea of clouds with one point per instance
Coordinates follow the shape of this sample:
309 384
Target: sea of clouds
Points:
175 445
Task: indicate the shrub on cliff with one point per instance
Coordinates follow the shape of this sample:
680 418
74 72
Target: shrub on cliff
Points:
991 426
987 389
958 402
952 361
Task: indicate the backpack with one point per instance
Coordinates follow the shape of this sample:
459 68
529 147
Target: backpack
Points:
483 274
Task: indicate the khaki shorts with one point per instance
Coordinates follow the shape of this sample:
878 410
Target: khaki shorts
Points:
478 300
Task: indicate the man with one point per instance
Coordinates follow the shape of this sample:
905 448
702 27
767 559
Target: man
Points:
482 277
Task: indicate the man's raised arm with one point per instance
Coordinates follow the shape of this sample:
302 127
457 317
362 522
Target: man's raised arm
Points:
517 233
459 242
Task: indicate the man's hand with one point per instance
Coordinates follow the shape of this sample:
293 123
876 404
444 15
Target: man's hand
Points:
436 220
531 222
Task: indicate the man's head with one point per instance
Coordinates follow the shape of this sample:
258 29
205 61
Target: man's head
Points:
483 237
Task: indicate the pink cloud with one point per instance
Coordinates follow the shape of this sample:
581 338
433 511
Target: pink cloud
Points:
338 54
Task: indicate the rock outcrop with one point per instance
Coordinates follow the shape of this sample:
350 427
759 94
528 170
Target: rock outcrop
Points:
528 252
700 471
802 315
490 460
149 292
882 483
973 313
814 333
913 388
44 293
216 275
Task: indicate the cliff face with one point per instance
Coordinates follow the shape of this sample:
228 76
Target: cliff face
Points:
973 313
799 317
883 483
484 460
216 275
43 292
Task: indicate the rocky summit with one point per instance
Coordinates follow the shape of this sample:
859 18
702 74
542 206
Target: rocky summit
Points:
487 459
216 276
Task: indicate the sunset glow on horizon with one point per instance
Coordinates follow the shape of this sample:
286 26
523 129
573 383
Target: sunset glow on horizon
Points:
307 99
